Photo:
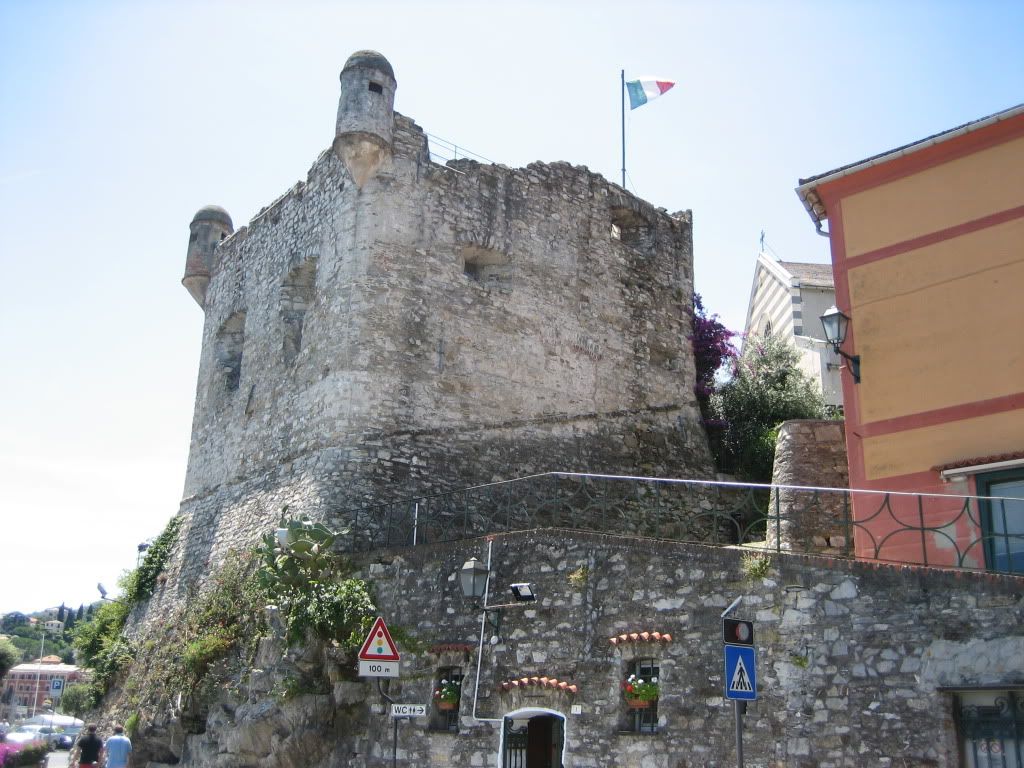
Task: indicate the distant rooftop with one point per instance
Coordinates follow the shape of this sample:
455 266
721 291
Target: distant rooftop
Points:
813 275
46 667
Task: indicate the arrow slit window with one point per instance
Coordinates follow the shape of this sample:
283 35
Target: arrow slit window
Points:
641 686
446 696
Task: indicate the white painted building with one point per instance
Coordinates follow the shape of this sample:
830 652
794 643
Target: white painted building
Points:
787 299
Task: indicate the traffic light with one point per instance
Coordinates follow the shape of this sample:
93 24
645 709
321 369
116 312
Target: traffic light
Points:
738 632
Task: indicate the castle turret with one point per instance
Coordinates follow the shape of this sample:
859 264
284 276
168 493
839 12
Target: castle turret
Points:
209 226
362 138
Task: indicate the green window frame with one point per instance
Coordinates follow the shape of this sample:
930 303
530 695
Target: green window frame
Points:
1002 521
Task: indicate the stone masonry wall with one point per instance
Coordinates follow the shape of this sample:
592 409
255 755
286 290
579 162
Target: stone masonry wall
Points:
812 453
445 300
440 327
850 659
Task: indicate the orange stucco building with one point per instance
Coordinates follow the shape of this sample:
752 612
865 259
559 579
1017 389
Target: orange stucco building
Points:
927 249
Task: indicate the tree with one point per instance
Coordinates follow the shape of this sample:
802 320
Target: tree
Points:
81 613
60 613
78 699
10 656
766 389
12 620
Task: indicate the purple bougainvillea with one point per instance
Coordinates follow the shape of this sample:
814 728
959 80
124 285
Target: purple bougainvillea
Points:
712 348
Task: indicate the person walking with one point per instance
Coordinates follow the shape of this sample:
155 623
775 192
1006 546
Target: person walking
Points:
119 749
89 748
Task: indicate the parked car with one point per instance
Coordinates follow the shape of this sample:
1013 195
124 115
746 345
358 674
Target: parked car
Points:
67 737
65 741
44 733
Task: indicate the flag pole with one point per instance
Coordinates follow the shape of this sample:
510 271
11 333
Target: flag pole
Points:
622 95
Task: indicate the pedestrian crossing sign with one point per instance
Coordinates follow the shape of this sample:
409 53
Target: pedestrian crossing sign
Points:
740 673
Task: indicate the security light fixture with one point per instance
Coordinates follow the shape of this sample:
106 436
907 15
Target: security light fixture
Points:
473 578
523 593
103 595
836 325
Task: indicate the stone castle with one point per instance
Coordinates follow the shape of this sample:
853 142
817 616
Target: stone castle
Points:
392 326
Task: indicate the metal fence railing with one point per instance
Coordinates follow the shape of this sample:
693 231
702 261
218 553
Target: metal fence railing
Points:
442 150
929 529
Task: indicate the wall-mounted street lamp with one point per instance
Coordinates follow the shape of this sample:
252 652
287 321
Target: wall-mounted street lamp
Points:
523 593
836 324
103 595
474 578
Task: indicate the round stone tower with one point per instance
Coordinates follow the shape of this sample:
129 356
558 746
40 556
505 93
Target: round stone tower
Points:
362 138
209 226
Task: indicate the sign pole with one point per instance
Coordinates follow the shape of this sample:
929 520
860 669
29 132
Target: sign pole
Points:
739 706
394 741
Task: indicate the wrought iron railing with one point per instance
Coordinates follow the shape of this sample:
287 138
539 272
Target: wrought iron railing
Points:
928 529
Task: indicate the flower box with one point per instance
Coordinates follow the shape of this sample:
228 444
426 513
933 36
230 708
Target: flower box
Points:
640 703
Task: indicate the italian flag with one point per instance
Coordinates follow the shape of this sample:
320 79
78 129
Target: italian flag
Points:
642 91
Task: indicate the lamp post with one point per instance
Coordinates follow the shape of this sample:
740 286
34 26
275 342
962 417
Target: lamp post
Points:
836 324
474 578
39 671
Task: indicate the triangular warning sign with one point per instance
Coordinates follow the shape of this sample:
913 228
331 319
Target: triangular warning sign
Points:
378 645
740 682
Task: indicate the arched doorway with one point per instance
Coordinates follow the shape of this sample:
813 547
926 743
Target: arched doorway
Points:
533 738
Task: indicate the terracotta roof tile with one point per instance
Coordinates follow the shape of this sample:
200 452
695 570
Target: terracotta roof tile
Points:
540 681
641 637
980 460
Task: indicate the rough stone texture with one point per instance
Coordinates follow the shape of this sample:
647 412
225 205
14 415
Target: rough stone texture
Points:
811 453
439 327
850 657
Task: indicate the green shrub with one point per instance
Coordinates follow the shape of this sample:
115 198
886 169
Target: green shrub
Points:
140 583
202 652
221 619
766 389
131 725
305 579
756 565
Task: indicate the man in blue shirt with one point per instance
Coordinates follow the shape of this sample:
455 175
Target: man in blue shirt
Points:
118 747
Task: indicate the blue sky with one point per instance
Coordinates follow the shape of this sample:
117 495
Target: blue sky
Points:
118 120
